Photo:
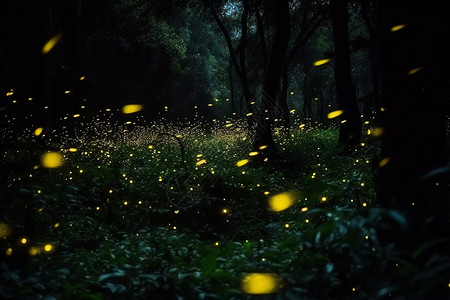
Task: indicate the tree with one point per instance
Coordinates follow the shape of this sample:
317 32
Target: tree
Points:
415 74
272 75
350 128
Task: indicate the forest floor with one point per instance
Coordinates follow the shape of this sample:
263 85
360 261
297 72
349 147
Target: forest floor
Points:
167 212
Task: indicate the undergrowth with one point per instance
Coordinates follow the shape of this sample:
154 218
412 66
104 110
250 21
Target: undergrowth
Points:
164 212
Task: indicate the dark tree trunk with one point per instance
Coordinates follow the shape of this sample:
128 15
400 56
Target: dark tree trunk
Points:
272 76
350 129
415 80
230 76
282 101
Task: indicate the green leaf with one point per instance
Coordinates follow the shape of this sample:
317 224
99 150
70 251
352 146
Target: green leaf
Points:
209 263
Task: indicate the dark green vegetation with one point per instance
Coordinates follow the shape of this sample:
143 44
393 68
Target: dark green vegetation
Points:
220 149
114 233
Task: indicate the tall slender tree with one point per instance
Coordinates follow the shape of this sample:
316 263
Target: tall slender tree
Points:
273 72
351 125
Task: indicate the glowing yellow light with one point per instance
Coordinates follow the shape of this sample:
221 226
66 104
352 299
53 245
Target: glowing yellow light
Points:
302 126
76 115
321 62
292 111
132 108
210 104
73 149
201 162
292 93
304 209
253 153
51 43
382 108
125 203
24 241
56 225
362 183
262 147
229 125
5 230
353 289
368 131
224 210
363 144
335 114
66 92
306 221
9 252
398 27
286 225
48 247
34 251
38 131
415 70
260 283
82 77
324 199
52 160
242 162
248 114
216 243
364 204
199 155
384 162
266 193
378 131
282 201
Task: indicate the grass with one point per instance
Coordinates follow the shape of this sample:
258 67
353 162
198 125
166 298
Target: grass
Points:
127 216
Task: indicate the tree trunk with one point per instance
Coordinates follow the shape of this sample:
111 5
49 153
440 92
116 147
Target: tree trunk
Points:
414 88
350 128
271 83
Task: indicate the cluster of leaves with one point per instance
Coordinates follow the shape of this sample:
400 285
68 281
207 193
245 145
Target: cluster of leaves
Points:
112 238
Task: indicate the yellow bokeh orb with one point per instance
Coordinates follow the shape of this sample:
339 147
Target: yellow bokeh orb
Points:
282 201
260 283
52 160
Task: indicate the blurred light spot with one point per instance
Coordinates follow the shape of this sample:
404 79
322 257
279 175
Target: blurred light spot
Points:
262 147
225 211
324 199
38 131
48 247
82 77
51 160
398 27
242 162
282 201
413 71
201 162
229 125
304 209
260 283
5 230
384 162
335 114
378 131
286 225
249 114
302 126
9 252
321 62
56 225
24 241
34 251
73 149
51 43
132 108
253 153
66 92
76 115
